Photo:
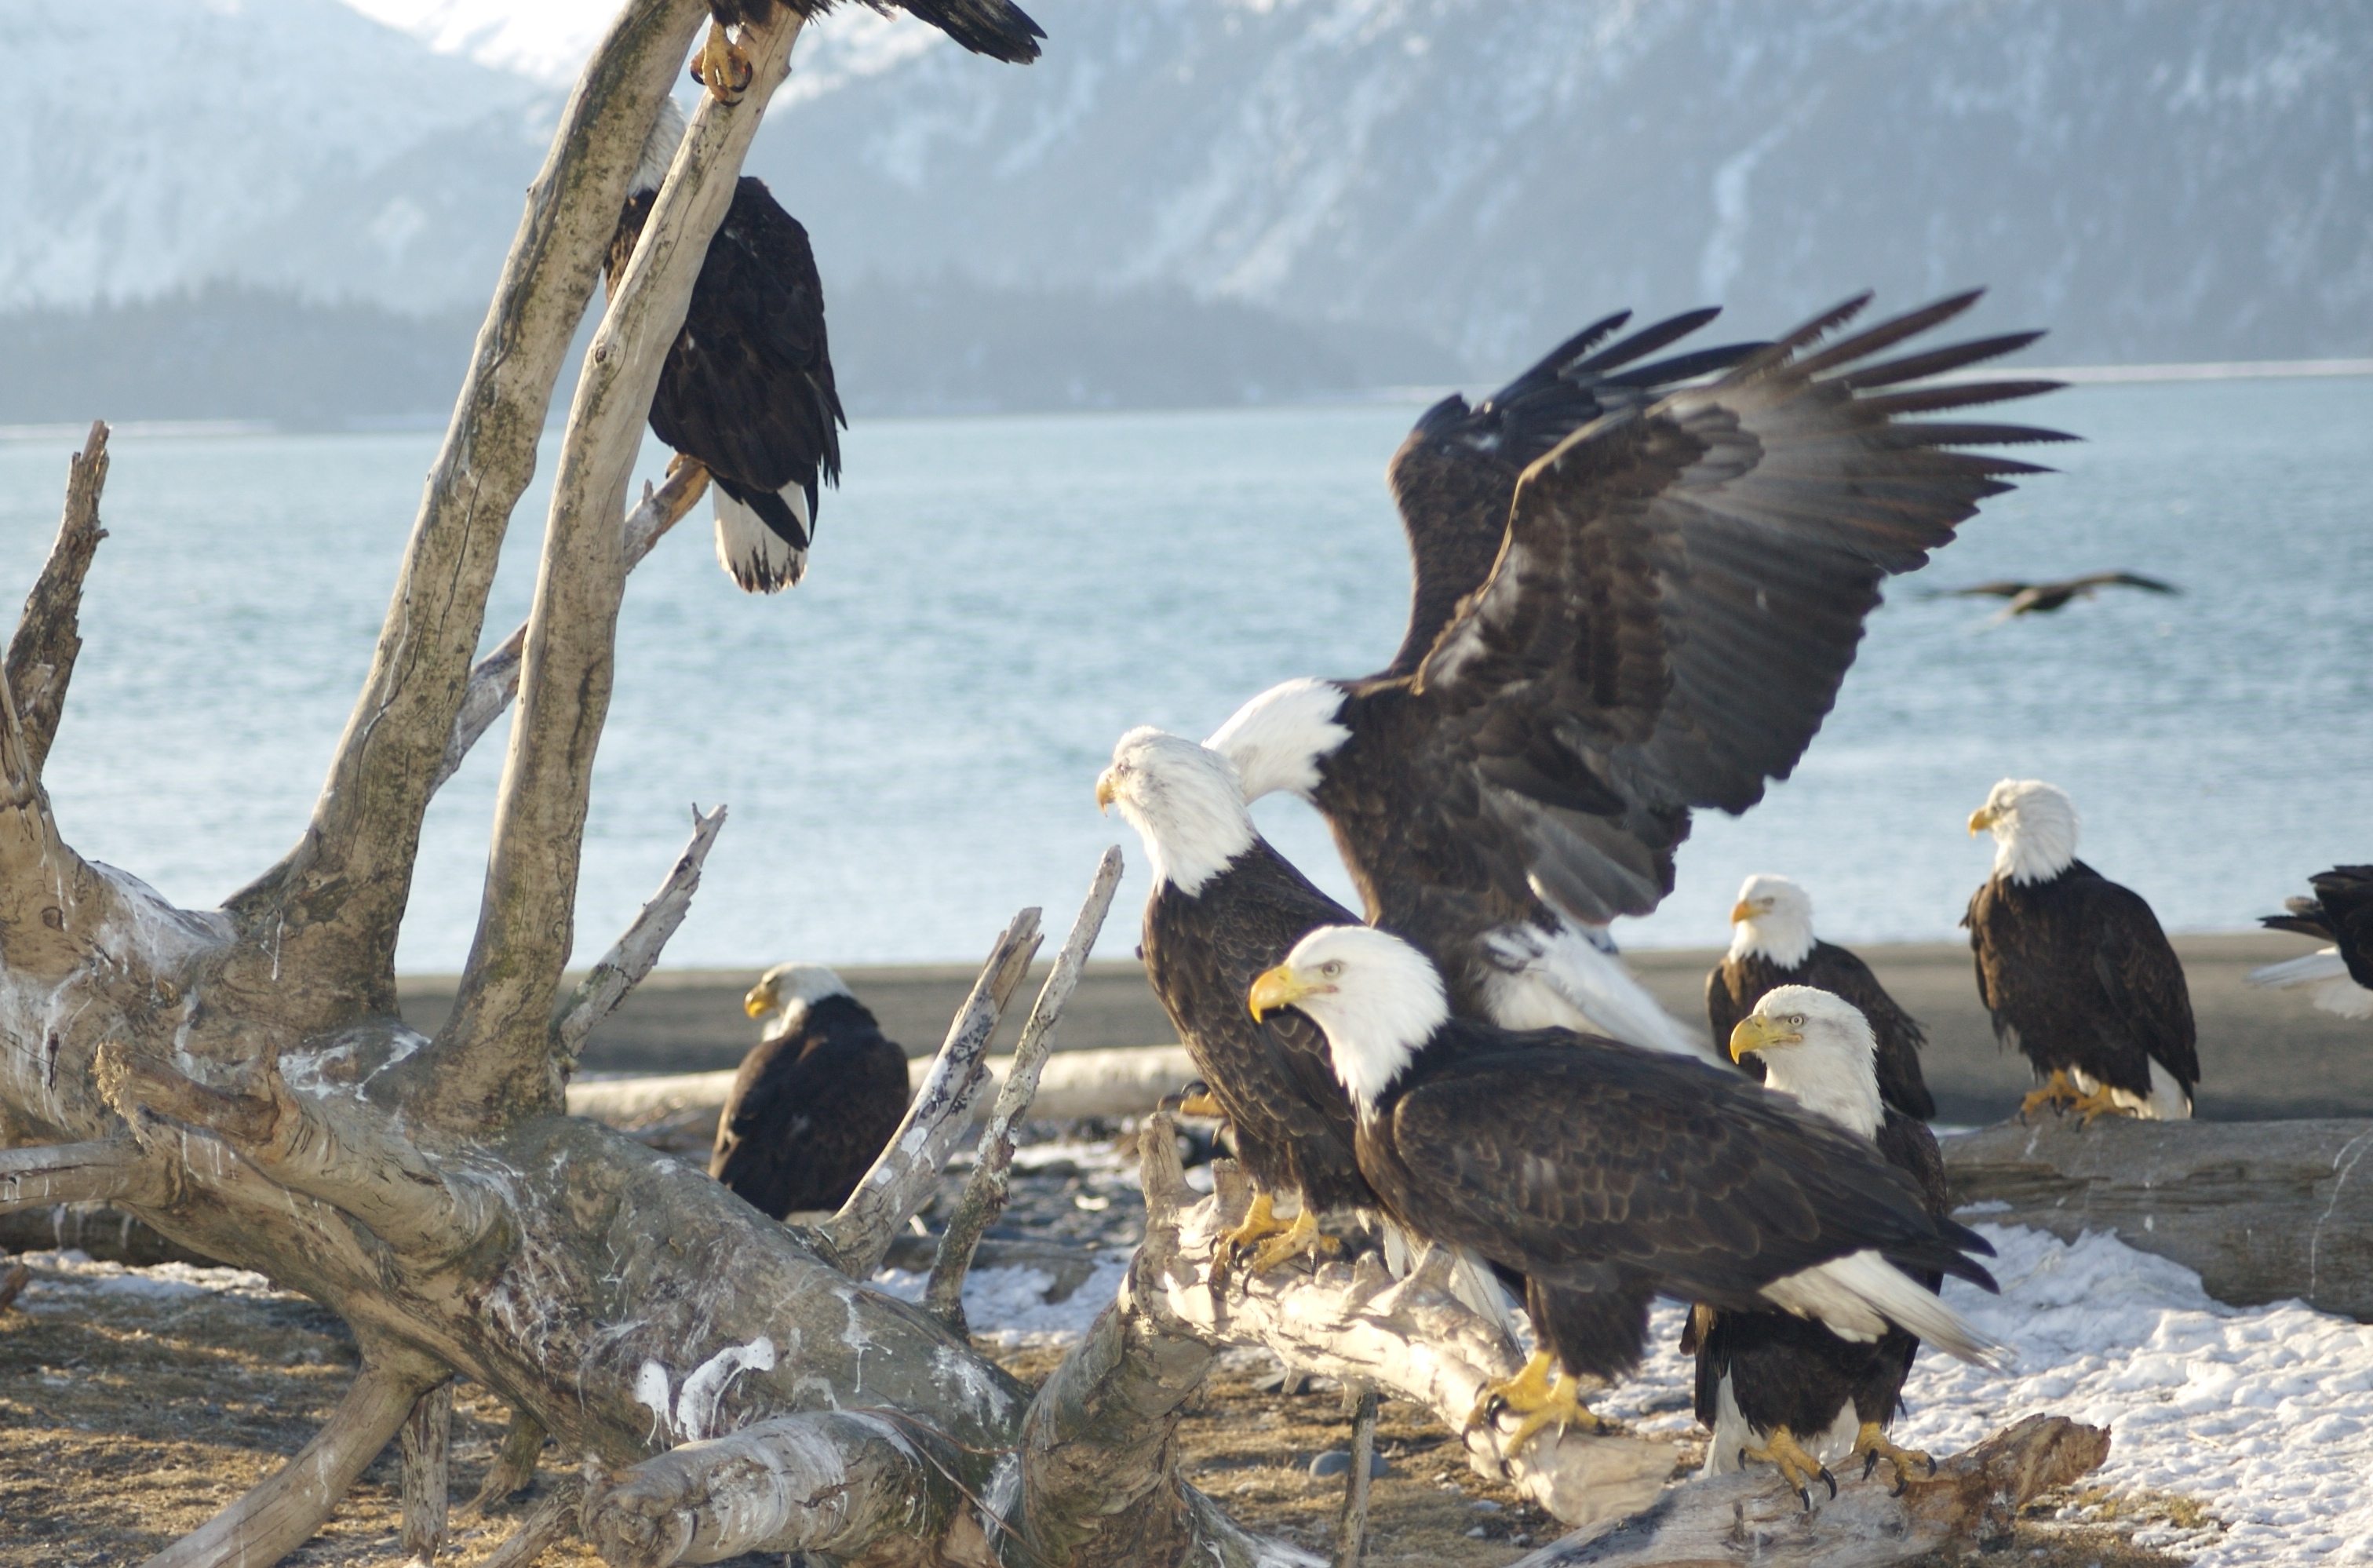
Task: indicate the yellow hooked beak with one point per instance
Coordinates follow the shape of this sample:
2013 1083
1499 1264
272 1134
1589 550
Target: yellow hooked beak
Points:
760 1001
1747 909
1981 819
1280 987
1756 1033
1106 793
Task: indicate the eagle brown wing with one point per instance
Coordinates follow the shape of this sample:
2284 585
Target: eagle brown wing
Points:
2339 913
1678 597
1455 477
1562 1157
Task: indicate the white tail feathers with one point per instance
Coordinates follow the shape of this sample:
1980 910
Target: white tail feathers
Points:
2324 974
1856 1297
1561 980
758 558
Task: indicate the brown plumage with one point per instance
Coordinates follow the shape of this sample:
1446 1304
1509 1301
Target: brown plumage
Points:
994 28
813 1102
2339 913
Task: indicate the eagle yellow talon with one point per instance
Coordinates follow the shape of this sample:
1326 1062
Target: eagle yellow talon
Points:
1289 1243
2097 1103
1538 1396
721 67
1195 1100
1799 1468
1873 1445
2057 1092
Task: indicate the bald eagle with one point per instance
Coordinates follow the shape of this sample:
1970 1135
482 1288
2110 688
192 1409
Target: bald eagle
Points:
1606 1176
1771 943
994 27
1225 908
2075 967
1614 623
815 1101
1775 1388
746 390
2043 598
2338 977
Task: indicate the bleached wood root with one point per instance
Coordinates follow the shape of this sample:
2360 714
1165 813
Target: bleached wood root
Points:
629 959
829 1482
494 680
908 1167
426 1445
984 1195
1115 1080
2265 1210
1353 1322
48 639
1973 1499
279 1513
112 1170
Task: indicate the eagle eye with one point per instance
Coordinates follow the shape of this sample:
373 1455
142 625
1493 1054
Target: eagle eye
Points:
1331 968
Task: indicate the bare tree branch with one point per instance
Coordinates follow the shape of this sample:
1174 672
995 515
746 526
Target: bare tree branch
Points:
542 1530
344 885
829 1482
513 1470
494 680
48 638
984 1195
494 1057
117 1170
281 1511
630 959
855 1239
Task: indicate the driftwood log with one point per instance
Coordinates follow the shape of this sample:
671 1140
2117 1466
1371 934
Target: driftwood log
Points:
2265 1210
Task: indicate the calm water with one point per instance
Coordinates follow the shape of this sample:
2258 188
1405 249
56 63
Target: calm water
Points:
908 743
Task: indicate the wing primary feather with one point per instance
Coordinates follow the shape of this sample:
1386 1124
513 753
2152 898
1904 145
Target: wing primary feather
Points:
1559 361
1961 395
1936 361
1647 339
1682 367
1894 329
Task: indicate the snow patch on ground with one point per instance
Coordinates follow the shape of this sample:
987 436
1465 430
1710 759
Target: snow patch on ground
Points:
2264 1414
73 1270
1008 1306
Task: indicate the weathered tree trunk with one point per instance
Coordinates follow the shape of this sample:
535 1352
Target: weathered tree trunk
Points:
2265 1210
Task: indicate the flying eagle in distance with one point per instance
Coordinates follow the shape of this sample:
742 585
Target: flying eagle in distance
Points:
1606 1176
746 390
2043 598
1777 1388
1612 627
994 27
2340 977
1771 943
2074 969
814 1101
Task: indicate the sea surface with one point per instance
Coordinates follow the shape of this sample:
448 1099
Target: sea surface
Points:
908 741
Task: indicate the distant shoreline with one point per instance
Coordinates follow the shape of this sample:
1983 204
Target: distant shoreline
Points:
2075 375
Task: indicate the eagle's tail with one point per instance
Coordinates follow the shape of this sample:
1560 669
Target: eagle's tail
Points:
1856 1297
2324 975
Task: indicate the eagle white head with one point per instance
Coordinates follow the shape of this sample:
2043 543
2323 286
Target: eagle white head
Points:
1774 918
1185 800
1376 999
1818 1049
2034 825
788 991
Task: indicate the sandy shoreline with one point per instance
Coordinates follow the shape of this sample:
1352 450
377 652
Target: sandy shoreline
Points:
2262 1055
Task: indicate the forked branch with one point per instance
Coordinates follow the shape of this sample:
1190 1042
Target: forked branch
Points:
856 1239
345 883
984 1195
493 1059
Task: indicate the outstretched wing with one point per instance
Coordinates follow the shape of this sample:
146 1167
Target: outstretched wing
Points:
1679 596
2339 913
2121 580
1456 476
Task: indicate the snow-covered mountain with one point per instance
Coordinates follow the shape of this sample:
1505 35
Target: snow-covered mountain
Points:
2151 179
149 145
